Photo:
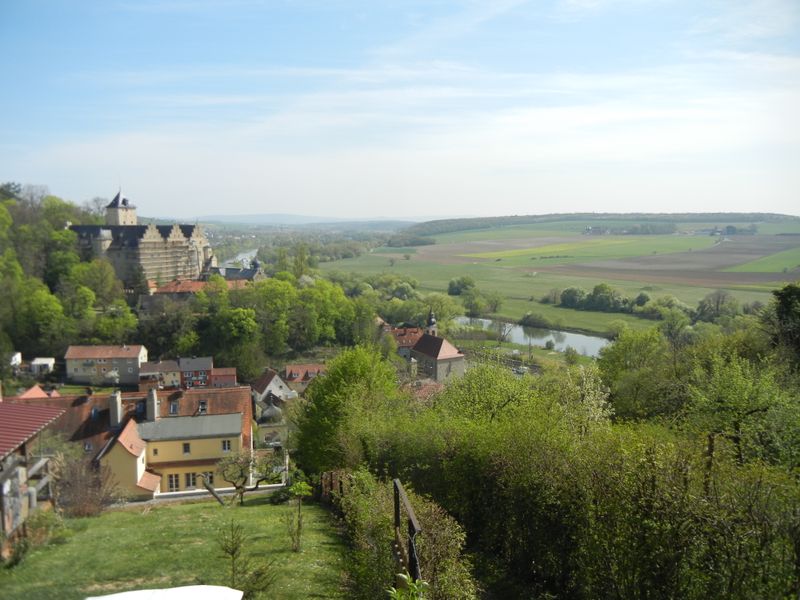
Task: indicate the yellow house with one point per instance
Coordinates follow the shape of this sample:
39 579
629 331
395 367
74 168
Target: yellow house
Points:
170 454
126 458
181 449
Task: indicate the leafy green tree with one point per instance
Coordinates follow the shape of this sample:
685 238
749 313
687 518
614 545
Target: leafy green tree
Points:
474 303
494 300
459 285
783 320
717 304
633 369
358 380
99 276
572 297
116 325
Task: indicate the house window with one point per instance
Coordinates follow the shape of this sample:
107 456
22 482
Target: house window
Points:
226 445
191 480
187 448
203 407
174 482
209 477
173 407
130 369
155 451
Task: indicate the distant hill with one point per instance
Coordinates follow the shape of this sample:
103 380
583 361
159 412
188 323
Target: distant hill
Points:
280 219
450 225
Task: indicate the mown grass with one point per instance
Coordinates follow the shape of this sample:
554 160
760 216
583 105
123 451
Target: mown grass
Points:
774 263
169 545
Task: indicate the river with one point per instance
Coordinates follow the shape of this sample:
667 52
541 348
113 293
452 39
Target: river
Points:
243 257
587 345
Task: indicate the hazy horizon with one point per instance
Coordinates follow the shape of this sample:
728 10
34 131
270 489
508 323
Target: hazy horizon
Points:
366 110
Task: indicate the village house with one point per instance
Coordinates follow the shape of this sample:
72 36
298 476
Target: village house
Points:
24 478
433 357
185 373
42 365
270 395
405 338
107 428
169 453
105 364
298 376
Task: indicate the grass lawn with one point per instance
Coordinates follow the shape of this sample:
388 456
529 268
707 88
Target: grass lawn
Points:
166 545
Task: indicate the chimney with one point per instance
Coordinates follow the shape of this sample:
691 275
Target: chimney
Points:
115 408
152 404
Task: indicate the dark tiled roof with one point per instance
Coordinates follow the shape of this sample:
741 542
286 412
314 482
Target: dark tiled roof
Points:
120 200
436 347
19 423
200 363
264 380
127 235
182 428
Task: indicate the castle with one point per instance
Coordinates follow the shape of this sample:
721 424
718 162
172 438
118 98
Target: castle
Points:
158 252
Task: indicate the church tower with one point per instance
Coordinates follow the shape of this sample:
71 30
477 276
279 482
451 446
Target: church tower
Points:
430 327
120 211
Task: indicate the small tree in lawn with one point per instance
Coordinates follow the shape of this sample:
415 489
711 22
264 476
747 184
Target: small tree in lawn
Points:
237 469
294 522
250 579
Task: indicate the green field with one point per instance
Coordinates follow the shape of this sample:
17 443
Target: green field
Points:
775 263
166 545
600 248
524 262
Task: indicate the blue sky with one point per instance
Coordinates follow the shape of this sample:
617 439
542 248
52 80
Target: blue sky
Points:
405 108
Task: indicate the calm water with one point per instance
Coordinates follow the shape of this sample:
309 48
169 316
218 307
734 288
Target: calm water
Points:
244 257
588 345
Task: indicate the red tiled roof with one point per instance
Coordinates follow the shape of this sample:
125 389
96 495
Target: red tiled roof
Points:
223 371
38 392
92 352
19 423
86 419
295 373
162 366
149 481
436 347
130 440
406 337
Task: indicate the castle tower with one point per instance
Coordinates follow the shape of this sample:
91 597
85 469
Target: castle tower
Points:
120 211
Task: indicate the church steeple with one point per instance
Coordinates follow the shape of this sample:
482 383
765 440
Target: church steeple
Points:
430 326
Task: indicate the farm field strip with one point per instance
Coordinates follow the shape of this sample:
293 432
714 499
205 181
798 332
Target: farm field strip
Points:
603 248
774 263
